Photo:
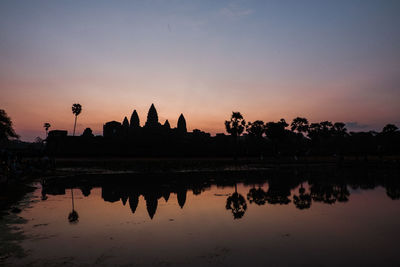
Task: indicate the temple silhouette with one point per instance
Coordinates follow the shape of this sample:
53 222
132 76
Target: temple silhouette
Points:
132 129
130 138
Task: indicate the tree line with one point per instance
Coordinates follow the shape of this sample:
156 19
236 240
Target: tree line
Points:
301 136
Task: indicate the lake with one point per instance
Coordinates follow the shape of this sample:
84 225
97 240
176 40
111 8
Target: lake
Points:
324 217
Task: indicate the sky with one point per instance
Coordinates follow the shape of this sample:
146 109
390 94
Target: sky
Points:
323 60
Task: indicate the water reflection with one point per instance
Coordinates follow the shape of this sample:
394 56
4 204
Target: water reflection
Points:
298 188
73 216
259 218
237 204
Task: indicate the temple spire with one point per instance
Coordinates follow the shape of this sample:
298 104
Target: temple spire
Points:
125 123
182 124
135 123
152 117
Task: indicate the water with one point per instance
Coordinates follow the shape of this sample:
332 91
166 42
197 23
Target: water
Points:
213 222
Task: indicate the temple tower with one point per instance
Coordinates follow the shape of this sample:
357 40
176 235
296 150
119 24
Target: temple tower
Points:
152 117
135 123
182 124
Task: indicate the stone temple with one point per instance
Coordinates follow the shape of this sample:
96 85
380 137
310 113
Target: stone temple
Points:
152 126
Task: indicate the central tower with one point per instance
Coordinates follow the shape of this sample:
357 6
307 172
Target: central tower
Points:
152 117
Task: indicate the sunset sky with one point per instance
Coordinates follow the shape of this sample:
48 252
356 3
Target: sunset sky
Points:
324 60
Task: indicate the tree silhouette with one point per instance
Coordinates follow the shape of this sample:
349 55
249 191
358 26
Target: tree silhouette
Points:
235 127
314 130
88 133
339 129
6 129
275 131
256 128
46 126
299 125
73 216
76 110
389 128
237 204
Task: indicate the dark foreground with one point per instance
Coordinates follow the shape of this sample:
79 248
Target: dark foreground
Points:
239 216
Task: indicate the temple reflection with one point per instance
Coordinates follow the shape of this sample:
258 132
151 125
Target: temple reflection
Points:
293 187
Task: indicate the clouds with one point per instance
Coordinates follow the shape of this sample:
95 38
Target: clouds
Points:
234 10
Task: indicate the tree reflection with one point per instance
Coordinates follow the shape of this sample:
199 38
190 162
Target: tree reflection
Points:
257 196
73 216
324 187
303 200
323 193
341 192
237 204
393 191
278 193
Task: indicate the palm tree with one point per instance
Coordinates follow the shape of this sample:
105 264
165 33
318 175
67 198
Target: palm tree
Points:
46 126
6 129
76 110
73 216
235 127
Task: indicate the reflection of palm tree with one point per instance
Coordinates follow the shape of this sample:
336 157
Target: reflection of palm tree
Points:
257 196
237 204
303 201
76 110
73 217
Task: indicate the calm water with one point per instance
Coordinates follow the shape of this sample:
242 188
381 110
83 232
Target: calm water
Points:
212 222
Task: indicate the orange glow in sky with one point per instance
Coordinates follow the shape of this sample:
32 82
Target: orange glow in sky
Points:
336 61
